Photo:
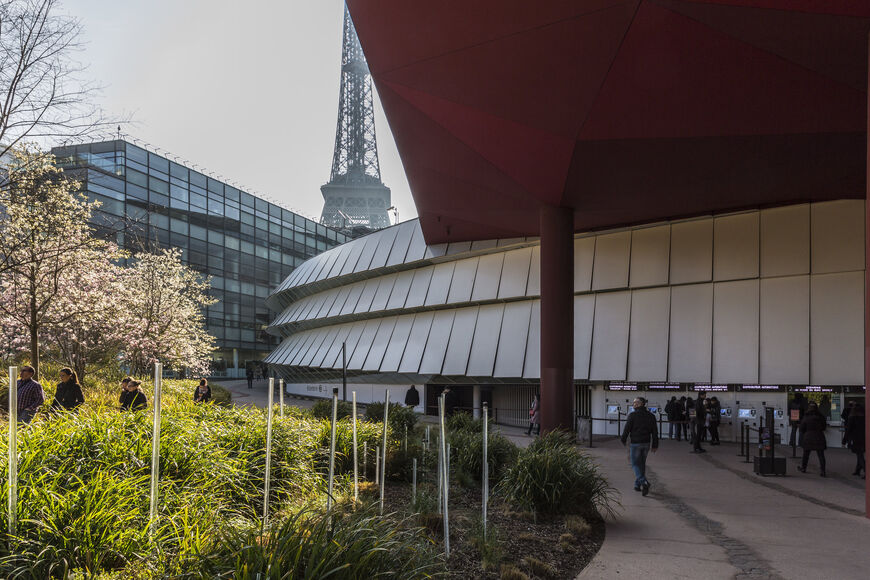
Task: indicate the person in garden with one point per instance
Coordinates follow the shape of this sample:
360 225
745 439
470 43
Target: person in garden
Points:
202 394
69 394
642 429
30 395
535 416
412 397
132 397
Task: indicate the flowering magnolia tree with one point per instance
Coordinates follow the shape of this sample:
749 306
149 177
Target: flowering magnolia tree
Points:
65 292
45 243
163 305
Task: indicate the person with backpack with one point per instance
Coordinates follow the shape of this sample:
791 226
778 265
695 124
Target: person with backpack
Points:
641 428
673 411
812 435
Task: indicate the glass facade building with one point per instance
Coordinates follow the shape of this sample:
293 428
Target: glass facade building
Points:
246 244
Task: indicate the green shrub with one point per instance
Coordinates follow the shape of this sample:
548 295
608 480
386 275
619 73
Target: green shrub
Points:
221 396
400 417
467 454
553 476
355 545
463 421
322 409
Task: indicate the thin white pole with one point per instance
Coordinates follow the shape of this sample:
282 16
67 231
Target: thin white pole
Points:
377 463
365 466
13 453
445 475
440 473
155 444
355 463
384 457
406 438
485 491
281 395
268 481
332 448
414 483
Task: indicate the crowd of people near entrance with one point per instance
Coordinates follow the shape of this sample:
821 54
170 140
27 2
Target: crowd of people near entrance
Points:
69 396
697 420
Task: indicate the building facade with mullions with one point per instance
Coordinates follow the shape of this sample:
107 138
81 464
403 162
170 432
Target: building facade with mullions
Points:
752 307
246 244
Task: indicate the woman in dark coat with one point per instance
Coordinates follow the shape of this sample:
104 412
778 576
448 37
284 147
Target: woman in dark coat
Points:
812 430
202 394
69 392
854 438
132 397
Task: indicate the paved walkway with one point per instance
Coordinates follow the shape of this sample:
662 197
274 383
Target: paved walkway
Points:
258 396
708 516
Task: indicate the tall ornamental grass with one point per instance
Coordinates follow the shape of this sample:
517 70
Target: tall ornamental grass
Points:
553 476
83 485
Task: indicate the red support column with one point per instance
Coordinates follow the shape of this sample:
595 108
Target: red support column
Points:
557 318
867 297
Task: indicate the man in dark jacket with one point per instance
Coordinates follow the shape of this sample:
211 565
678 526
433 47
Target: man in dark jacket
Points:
412 397
674 411
698 420
642 429
812 433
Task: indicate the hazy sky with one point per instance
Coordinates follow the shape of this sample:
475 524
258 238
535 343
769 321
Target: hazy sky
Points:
247 90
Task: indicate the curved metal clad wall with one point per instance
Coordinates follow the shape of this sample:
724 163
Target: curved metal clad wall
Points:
772 296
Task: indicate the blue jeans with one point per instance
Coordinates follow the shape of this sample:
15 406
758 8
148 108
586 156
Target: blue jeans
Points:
638 453
674 427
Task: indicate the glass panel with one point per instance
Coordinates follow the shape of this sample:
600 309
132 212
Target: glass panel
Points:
231 242
247 199
178 192
178 226
198 232
197 200
231 212
198 179
158 185
159 199
136 154
159 163
215 237
179 171
215 207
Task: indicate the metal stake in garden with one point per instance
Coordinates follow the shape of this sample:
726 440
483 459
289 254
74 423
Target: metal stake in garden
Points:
377 463
13 453
268 450
281 396
384 457
155 445
445 473
355 470
485 491
332 448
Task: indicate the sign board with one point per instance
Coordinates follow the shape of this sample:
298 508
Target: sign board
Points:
621 387
761 388
710 388
814 389
664 387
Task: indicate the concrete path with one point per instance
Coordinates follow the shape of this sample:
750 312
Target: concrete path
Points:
258 396
709 516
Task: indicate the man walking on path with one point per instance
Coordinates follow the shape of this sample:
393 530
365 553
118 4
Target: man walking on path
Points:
642 429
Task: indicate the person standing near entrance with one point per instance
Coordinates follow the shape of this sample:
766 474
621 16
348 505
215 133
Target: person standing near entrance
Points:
641 428
249 374
812 433
412 397
672 410
854 438
535 416
715 419
799 404
698 420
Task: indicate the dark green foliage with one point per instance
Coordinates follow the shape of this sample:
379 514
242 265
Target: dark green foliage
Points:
463 421
357 545
400 417
467 454
323 409
553 476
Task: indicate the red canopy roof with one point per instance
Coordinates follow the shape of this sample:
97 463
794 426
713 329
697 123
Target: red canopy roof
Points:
628 111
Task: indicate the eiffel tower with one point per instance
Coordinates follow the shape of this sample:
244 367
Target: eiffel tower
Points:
355 195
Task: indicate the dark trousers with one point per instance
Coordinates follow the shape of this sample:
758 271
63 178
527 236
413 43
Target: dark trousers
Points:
806 458
697 429
250 382
861 465
674 428
536 426
685 427
714 432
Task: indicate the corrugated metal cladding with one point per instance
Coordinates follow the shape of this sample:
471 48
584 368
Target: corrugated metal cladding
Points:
771 296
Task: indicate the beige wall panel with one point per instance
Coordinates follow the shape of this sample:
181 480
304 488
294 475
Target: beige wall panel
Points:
419 287
534 287
837 329
837 236
735 246
459 346
483 348
611 261
436 346
735 332
784 348
515 273
610 336
400 291
396 347
650 249
785 241
691 251
532 364
463 281
584 315
488 277
416 343
513 338
648 336
584 254
440 283
691 335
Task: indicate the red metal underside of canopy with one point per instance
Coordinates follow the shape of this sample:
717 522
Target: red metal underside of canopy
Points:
626 111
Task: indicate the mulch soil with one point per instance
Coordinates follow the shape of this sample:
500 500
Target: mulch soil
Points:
538 547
